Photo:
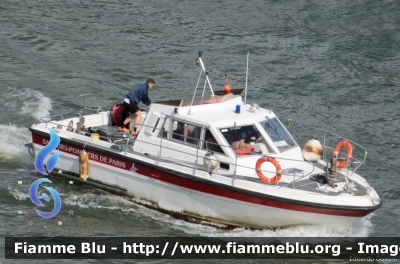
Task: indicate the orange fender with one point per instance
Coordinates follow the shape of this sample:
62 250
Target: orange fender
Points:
227 89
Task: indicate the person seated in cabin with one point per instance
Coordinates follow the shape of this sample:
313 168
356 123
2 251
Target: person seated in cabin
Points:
252 137
178 130
139 93
240 147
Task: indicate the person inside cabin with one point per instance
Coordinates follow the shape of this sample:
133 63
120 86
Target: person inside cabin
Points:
178 130
241 145
139 93
252 137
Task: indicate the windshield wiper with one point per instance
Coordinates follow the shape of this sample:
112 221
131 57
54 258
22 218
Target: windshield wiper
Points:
269 124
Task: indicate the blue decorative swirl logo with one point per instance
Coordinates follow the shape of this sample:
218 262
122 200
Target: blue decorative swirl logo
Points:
50 164
45 151
35 198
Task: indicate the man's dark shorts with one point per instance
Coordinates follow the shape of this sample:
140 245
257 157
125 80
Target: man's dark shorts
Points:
131 107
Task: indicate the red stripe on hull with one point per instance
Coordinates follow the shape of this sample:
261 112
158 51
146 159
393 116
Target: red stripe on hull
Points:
96 156
120 163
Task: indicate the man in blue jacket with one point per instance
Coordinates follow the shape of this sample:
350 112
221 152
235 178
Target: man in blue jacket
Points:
139 93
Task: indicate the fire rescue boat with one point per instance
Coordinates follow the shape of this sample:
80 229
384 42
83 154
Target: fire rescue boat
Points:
215 159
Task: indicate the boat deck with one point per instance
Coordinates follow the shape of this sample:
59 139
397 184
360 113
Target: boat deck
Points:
111 133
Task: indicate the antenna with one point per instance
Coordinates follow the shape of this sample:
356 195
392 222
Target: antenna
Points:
247 73
199 62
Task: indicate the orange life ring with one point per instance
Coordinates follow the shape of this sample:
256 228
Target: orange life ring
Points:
339 146
273 180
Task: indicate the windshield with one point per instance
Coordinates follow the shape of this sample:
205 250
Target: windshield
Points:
245 140
278 134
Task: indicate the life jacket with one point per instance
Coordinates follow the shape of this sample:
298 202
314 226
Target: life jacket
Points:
242 151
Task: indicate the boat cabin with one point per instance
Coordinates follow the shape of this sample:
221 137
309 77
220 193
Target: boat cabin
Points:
186 130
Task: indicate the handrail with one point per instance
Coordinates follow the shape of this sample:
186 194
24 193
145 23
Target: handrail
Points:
179 161
199 143
325 146
41 119
197 156
93 108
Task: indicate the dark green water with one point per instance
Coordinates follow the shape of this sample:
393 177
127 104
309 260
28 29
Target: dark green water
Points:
333 64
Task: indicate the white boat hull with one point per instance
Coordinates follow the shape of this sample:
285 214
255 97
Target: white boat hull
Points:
192 199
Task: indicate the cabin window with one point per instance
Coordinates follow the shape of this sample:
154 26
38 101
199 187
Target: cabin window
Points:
155 126
224 166
194 136
152 124
180 131
165 128
275 130
186 133
211 143
253 143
